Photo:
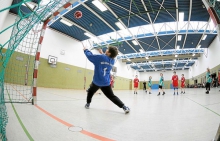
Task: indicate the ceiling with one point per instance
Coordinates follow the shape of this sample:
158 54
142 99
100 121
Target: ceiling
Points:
154 25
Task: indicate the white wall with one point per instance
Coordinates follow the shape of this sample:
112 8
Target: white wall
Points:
167 75
4 14
124 71
210 61
4 37
54 42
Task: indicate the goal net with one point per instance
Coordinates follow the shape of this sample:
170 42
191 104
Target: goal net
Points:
18 53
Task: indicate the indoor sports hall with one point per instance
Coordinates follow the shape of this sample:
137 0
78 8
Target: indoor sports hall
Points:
109 70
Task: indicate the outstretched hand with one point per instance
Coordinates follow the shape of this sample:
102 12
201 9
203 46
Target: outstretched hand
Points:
84 48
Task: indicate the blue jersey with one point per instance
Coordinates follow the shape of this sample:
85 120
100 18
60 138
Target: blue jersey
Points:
103 65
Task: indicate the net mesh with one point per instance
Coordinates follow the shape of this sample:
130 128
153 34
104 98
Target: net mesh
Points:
17 53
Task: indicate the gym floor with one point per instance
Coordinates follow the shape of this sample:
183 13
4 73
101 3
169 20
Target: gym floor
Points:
60 116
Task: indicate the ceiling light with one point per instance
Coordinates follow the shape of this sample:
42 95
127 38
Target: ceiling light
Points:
186 63
99 5
89 35
193 54
147 57
141 50
66 22
174 60
176 55
173 64
181 16
177 47
29 4
149 61
199 46
120 26
135 43
204 37
128 59
179 37
44 2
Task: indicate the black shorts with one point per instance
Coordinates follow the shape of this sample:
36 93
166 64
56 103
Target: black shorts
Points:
160 87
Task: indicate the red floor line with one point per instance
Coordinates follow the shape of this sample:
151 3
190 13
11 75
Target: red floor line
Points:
69 125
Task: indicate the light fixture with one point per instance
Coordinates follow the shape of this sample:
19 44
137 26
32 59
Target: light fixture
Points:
178 47
179 37
120 26
204 37
149 61
141 50
174 60
44 2
199 46
173 64
89 35
29 4
181 16
147 57
128 59
193 54
66 22
176 55
186 63
135 43
99 5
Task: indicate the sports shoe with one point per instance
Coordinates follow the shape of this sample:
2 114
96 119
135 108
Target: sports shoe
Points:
177 93
173 93
146 91
183 92
136 93
149 92
126 109
87 106
207 92
164 93
158 94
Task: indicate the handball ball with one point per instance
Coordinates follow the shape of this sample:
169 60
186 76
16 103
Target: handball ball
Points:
78 14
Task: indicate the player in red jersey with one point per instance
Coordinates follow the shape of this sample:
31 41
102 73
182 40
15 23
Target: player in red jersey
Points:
175 82
136 81
182 84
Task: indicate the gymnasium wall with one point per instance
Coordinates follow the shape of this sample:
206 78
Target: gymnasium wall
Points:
212 61
71 67
4 14
9 20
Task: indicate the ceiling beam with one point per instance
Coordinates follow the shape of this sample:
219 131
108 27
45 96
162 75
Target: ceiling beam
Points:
106 23
203 32
168 57
177 23
123 25
162 52
149 17
190 11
